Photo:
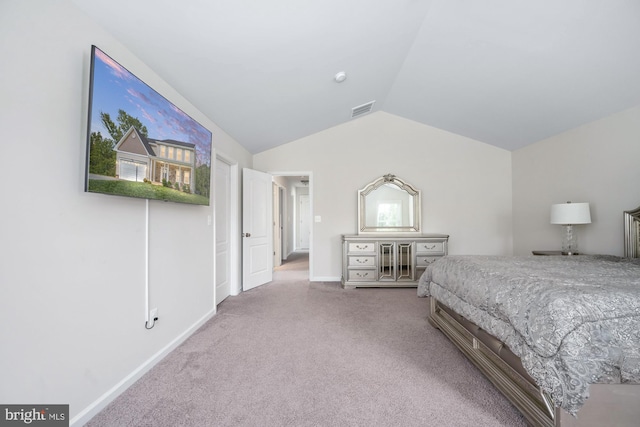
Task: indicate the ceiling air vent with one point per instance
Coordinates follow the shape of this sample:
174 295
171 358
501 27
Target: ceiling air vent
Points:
362 109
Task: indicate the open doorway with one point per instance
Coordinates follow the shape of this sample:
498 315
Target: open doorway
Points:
292 222
295 268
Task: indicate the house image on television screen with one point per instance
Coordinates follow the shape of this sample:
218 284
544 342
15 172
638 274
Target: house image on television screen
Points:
142 159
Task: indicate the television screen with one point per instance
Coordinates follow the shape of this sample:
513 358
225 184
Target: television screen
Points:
139 144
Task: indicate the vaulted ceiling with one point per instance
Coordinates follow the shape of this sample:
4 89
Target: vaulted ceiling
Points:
504 72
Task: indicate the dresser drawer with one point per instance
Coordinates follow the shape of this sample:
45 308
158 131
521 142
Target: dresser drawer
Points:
362 275
423 261
362 261
362 247
430 247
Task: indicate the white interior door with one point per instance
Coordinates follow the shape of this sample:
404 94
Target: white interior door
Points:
277 226
223 230
257 229
303 221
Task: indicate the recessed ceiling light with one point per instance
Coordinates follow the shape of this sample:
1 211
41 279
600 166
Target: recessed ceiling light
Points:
340 77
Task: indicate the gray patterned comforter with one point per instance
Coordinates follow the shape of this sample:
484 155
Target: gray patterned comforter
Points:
573 321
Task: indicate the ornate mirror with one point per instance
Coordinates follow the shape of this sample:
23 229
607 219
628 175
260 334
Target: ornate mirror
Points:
389 205
632 233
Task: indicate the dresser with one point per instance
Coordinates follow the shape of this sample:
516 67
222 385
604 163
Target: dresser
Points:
389 260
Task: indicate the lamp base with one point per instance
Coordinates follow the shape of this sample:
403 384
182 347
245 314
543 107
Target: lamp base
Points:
569 241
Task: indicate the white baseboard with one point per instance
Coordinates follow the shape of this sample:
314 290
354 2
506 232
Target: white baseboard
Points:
325 279
92 410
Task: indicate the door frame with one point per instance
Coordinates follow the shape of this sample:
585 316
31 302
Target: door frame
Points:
235 285
311 222
278 230
222 186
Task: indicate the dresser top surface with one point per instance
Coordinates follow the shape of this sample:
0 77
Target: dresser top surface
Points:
362 237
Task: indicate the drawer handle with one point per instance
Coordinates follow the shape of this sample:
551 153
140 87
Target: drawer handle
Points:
362 274
429 247
428 261
361 261
362 247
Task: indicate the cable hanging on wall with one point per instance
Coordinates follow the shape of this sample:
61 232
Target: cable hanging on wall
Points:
150 318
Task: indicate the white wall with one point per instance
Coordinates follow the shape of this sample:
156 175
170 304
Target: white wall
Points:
466 185
597 163
72 266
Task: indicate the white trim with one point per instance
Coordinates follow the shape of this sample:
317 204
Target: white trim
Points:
212 198
92 410
279 190
325 279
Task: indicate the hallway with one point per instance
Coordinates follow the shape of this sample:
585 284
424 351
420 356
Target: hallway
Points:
295 267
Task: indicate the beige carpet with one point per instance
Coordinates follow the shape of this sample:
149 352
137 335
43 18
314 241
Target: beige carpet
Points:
295 353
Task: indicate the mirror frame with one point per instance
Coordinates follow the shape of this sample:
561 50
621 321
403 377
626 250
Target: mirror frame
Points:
632 233
363 228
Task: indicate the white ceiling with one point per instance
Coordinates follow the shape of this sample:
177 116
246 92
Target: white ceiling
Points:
504 72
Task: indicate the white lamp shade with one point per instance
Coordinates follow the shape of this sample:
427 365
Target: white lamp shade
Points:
570 213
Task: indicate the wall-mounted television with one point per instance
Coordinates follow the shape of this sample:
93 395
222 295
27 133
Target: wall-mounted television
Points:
139 144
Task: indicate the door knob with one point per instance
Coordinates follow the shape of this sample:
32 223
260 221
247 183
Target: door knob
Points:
246 234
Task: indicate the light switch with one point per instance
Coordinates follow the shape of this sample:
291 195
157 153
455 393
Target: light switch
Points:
318 218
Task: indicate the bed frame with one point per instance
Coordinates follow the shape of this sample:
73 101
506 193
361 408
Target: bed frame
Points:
608 404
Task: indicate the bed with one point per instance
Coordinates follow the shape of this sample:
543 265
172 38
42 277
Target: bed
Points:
559 336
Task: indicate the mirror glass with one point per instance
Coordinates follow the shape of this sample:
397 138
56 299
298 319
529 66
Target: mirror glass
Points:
389 204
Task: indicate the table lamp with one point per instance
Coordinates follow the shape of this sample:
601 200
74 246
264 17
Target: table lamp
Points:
569 214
